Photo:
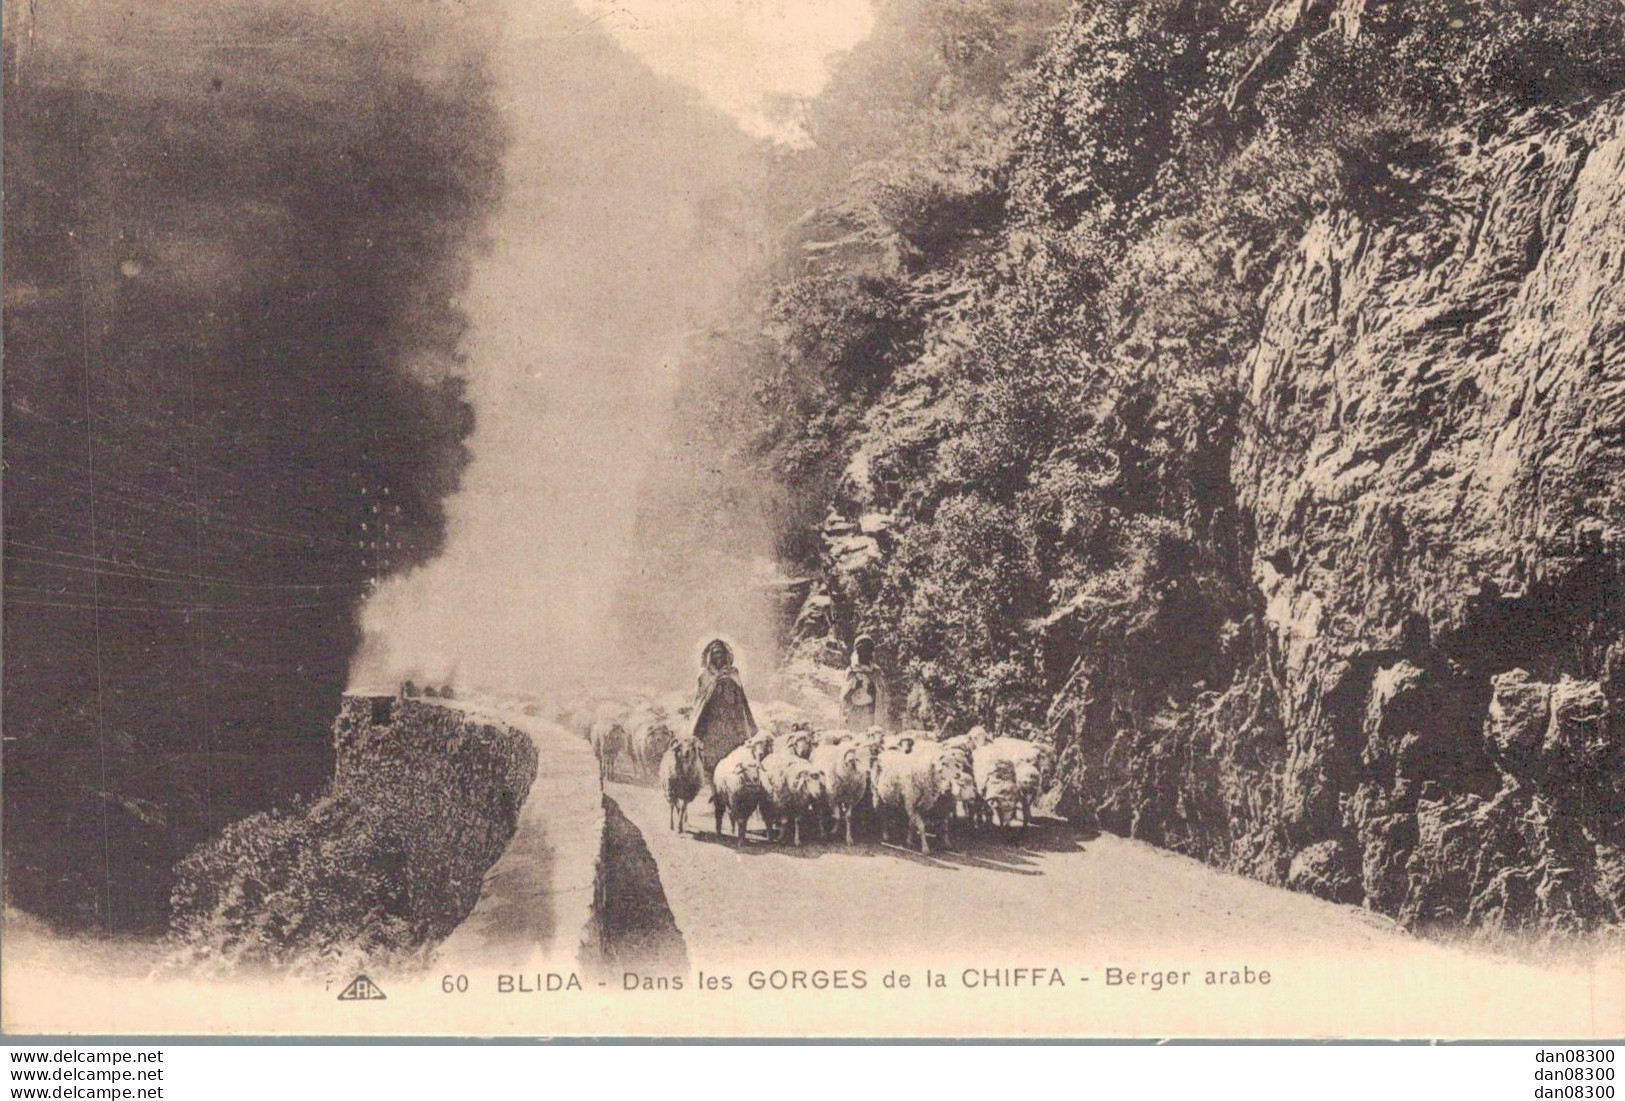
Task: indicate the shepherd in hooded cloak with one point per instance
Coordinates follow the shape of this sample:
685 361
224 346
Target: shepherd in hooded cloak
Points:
722 718
863 699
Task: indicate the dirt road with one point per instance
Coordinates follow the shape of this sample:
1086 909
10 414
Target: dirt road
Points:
1059 889
1084 903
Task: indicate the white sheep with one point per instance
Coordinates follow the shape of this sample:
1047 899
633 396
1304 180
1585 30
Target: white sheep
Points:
798 740
834 737
1039 753
959 783
978 735
760 745
736 789
962 751
794 791
577 721
844 767
1020 749
1030 784
610 741
915 784
584 712
780 717
1031 762
682 774
870 745
999 790
650 734
918 735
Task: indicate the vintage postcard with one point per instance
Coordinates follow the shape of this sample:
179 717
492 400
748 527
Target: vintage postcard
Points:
830 518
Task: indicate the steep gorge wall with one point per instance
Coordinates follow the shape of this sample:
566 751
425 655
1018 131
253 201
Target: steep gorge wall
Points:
1246 417
1431 711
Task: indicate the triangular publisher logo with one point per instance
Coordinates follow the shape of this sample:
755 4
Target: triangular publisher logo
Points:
361 989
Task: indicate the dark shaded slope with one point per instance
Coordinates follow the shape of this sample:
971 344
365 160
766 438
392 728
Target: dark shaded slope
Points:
232 238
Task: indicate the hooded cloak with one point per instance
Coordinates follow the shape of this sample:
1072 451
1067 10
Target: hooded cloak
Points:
863 699
722 718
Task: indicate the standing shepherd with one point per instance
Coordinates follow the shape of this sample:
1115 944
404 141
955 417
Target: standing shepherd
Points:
863 701
722 718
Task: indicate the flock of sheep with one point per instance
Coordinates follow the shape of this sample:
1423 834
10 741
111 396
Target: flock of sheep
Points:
821 782
819 779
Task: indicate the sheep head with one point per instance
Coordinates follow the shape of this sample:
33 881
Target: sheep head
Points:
1001 791
686 751
811 790
1028 776
956 779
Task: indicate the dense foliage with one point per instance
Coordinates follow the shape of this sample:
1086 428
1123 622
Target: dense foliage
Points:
1013 335
376 870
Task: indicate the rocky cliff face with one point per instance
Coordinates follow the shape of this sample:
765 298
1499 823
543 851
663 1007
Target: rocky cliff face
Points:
1429 716
1265 448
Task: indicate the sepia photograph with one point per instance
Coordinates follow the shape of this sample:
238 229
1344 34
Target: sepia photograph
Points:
854 520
